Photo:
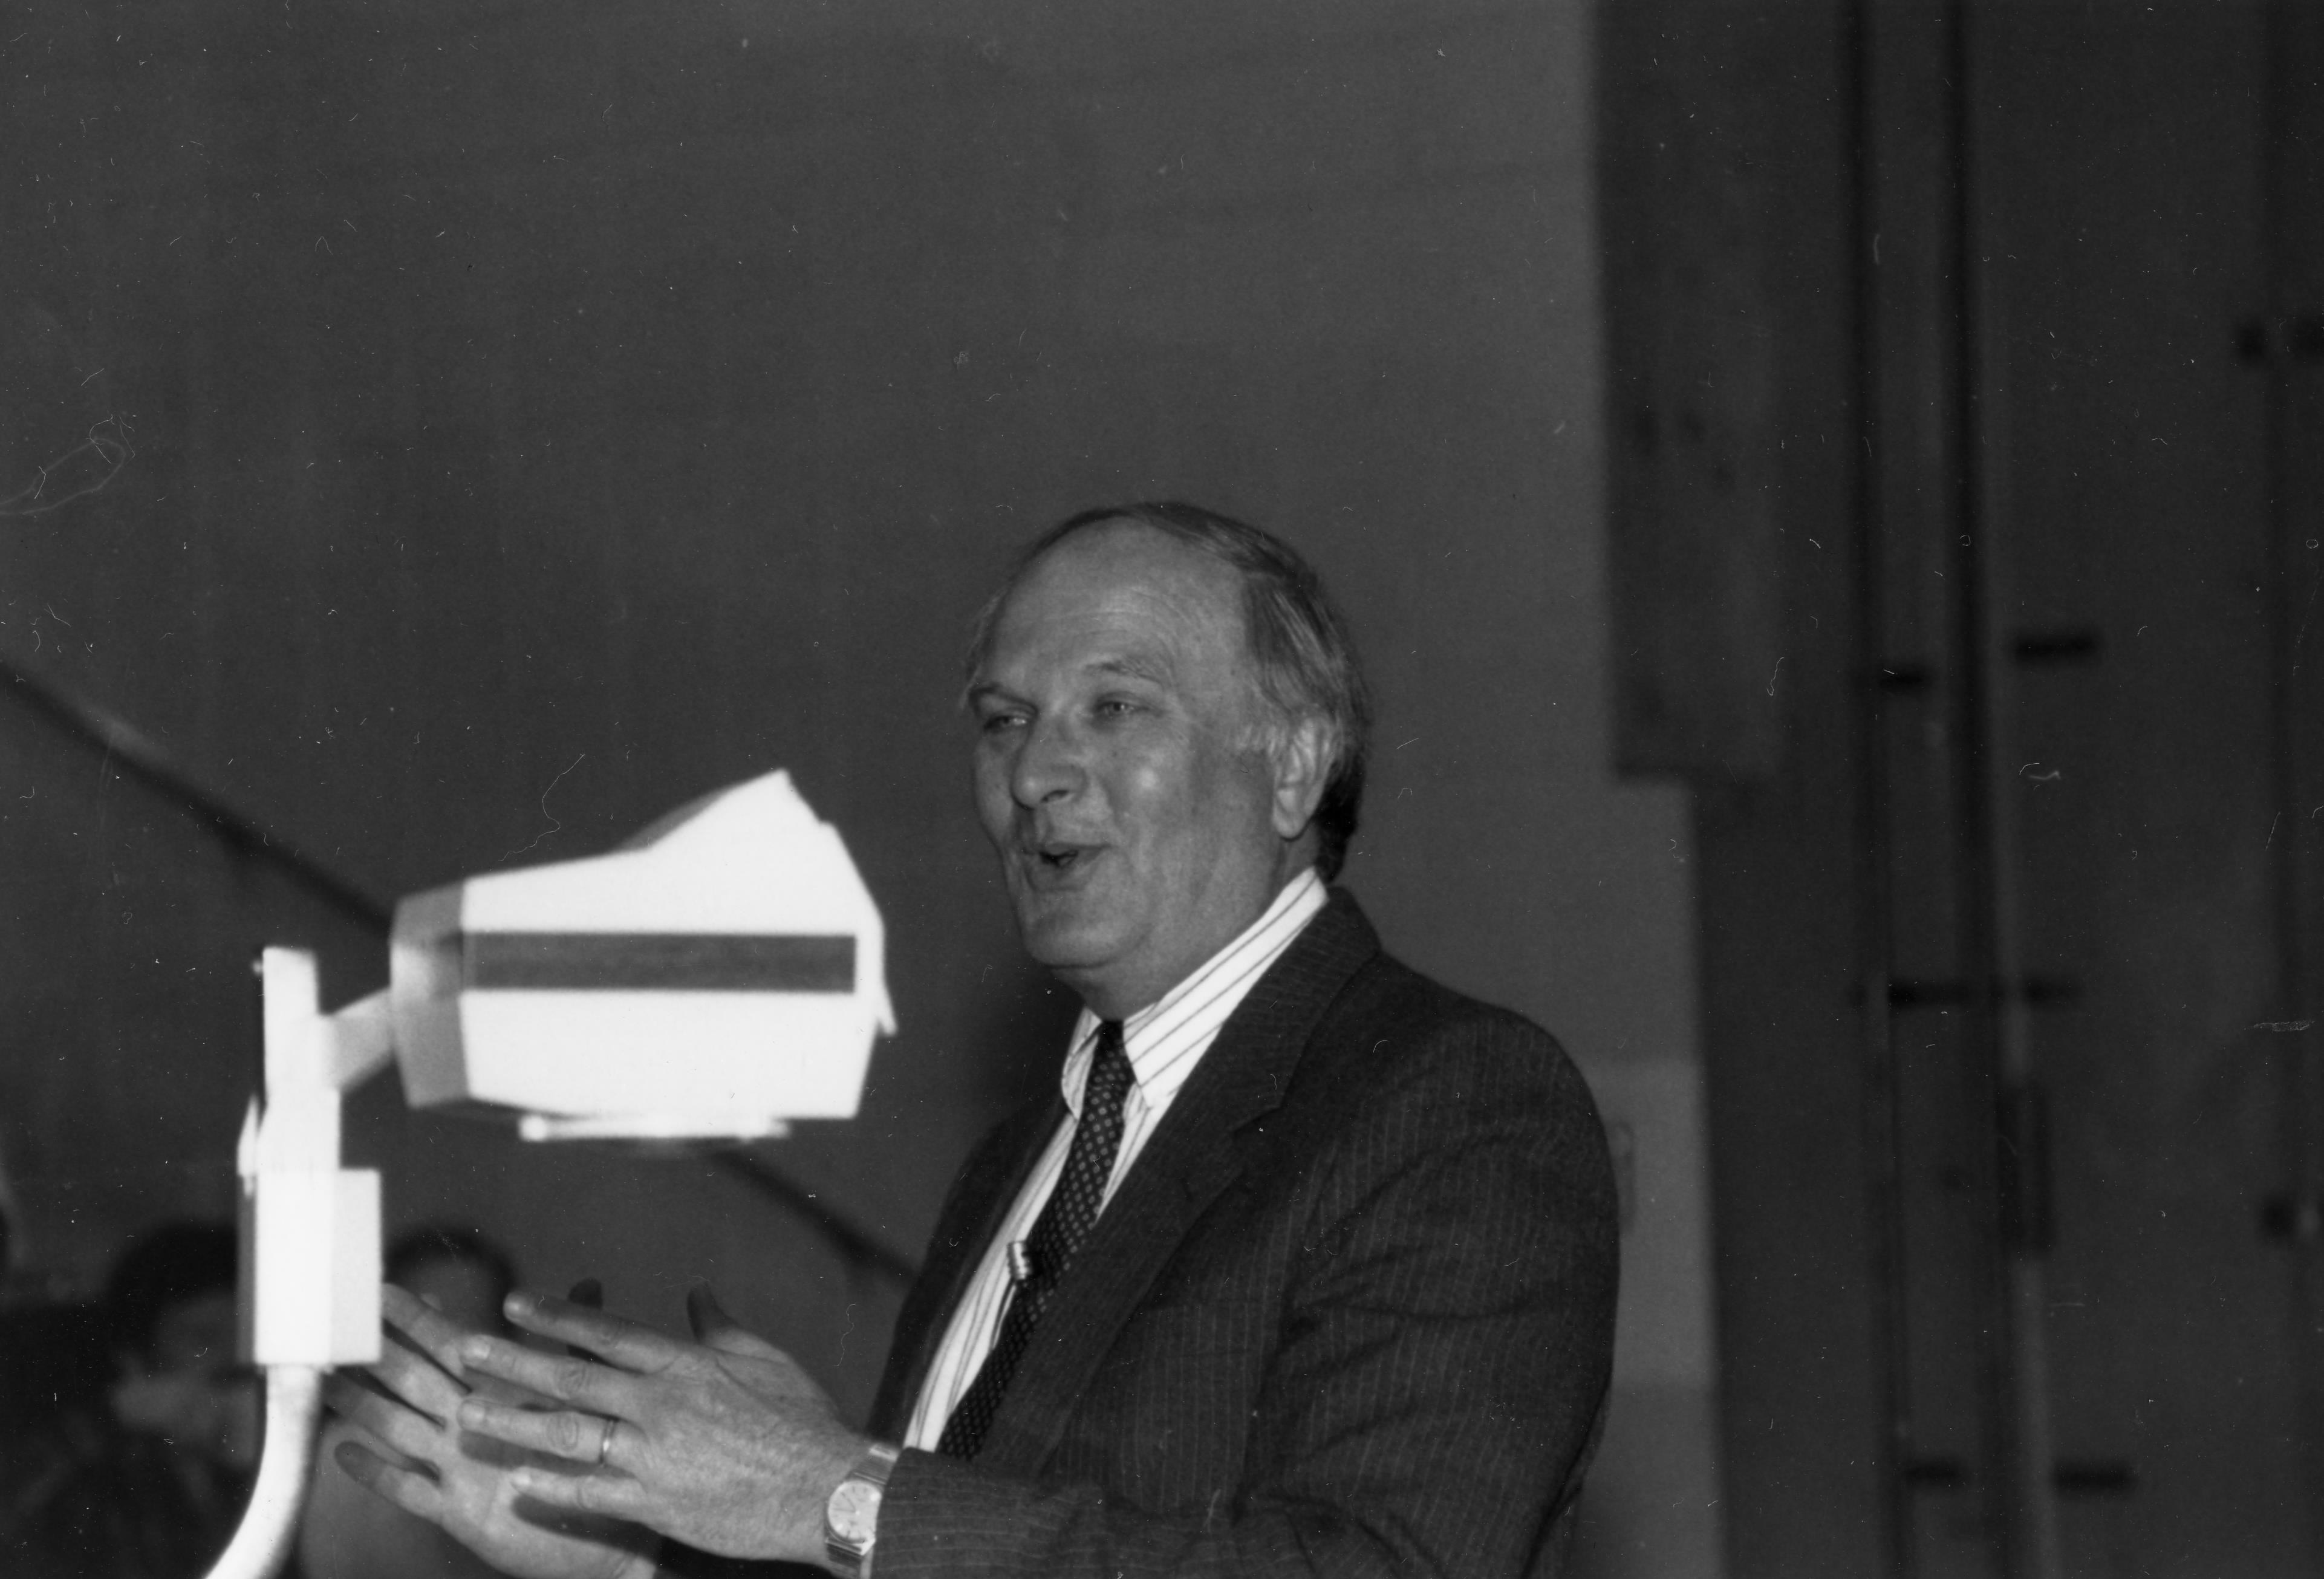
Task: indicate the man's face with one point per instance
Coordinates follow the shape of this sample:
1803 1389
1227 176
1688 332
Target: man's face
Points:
188 1388
1122 768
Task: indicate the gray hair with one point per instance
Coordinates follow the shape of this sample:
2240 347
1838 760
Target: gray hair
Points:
1305 664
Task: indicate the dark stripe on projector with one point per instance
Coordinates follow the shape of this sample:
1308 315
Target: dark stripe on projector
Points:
690 961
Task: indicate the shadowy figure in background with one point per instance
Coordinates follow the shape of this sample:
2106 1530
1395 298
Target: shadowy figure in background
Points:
154 1488
346 1533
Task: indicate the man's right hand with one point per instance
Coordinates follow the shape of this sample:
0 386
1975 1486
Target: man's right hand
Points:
418 1457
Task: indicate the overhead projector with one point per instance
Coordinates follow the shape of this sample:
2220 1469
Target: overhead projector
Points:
719 975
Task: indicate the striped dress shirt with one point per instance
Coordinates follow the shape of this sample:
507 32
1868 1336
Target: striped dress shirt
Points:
1165 1041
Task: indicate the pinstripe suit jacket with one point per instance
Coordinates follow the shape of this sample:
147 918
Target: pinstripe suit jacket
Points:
1350 1313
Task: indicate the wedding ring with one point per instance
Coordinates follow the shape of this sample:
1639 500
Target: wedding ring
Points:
605 1441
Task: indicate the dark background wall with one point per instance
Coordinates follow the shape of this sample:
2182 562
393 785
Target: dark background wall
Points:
528 417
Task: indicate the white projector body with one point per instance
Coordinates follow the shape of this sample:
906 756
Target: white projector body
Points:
722 972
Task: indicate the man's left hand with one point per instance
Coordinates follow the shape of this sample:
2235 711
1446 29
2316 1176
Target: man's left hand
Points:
723 1443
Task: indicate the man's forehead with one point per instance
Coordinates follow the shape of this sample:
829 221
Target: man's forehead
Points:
1126 575
1039 658
1119 598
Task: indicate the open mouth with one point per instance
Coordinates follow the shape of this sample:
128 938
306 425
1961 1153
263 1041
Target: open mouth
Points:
1056 858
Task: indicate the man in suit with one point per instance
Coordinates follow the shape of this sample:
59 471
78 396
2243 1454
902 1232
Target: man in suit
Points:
1308 1267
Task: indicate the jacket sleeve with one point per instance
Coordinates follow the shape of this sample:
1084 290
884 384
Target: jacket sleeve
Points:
1436 1375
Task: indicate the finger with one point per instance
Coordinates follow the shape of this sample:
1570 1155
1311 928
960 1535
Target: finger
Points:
417 1381
718 1330
414 1494
610 1496
559 1378
429 1329
630 1344
707 1317
393 1426
587 1440
589 1294
704 1313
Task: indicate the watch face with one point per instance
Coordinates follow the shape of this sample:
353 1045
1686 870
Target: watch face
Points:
852 1510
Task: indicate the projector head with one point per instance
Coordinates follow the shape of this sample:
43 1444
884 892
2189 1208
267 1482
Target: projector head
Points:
720 974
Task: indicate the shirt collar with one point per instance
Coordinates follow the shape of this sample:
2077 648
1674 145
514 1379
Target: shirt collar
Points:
1166 1039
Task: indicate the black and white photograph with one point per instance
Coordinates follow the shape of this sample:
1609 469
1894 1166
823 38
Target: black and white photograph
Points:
1162 790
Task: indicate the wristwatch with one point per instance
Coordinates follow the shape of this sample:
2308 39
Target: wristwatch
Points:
851 1519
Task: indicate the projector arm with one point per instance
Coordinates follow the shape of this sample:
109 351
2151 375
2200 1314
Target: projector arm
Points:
359 1041
270 1524
311 1236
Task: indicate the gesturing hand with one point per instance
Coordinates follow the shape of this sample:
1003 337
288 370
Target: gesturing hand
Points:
724 1442
420 1460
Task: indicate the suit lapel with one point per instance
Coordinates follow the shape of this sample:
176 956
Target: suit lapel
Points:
1192 1157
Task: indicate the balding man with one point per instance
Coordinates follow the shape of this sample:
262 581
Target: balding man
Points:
1308 1268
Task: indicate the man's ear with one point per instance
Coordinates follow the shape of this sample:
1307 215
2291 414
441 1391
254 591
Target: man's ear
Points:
1301 757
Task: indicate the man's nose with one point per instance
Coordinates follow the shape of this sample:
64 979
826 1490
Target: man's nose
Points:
1050 765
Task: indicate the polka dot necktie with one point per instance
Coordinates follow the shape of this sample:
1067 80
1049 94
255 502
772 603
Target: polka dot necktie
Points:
1065 1221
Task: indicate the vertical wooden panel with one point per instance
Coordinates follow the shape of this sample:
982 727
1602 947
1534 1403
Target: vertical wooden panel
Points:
2128 451
1726 194
2295 199
1707 228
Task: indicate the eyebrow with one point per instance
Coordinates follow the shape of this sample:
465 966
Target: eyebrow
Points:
1137 666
